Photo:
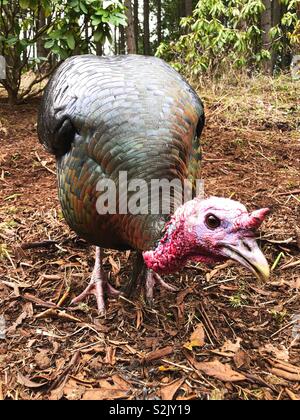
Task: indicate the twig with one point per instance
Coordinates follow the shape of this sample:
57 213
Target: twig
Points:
64 297
289 193
284 328
65 374
44 165
207 323
277 242
39 302
218 284
46 244
43 244
277 261
187 369
260 381
290 265
52 312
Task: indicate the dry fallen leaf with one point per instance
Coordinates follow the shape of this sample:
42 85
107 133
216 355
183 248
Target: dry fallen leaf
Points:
121 383
282 373
23 380
110 357
158 354
104 394
114 265
221 371
197 338
230 347
241 359
72 391
168 391
292 396
285 370
280 352
27 313
216 369
296 284
114 388
215 271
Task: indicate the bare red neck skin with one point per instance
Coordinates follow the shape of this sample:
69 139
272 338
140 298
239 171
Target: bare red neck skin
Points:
187 238
178 244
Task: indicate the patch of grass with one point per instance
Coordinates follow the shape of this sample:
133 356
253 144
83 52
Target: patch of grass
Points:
4 252
252 102
10 224
12 197
10 210
238 300
15 157
279 316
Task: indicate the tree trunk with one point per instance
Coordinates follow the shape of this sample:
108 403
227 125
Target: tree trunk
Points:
188 7
159 22
122 41
12 93
266 24
136 24
116 52
99 48
181 7
276 19
86 35
147 47
130 35
41 22
297 47
276 12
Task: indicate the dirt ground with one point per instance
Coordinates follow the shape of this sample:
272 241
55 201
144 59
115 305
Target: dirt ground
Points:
223 336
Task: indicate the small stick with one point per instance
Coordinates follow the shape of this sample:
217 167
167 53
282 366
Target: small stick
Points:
187 369
290 265
289 193
217 284
277 261
284 328
39 302
66 373
57 313
64 297
43 244
44 164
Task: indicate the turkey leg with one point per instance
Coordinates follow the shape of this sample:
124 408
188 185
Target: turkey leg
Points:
142 277
98 285
153 279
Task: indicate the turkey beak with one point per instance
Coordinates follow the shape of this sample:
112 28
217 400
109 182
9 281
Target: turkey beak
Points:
248 253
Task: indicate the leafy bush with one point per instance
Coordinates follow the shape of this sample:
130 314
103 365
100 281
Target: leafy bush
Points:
60 28
223 34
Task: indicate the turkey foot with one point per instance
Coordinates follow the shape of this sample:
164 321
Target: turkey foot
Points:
153 279
98 286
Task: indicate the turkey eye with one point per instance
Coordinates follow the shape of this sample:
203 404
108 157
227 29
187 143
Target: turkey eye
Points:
212 222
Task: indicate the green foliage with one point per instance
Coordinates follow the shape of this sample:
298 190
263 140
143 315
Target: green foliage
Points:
77 16
227 33
286 35
69 27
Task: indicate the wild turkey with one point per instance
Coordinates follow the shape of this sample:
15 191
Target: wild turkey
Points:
101 116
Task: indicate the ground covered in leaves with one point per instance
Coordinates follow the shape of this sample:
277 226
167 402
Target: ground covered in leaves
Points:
223 336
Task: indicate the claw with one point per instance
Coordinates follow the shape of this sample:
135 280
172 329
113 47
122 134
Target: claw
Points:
154 279
98 286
